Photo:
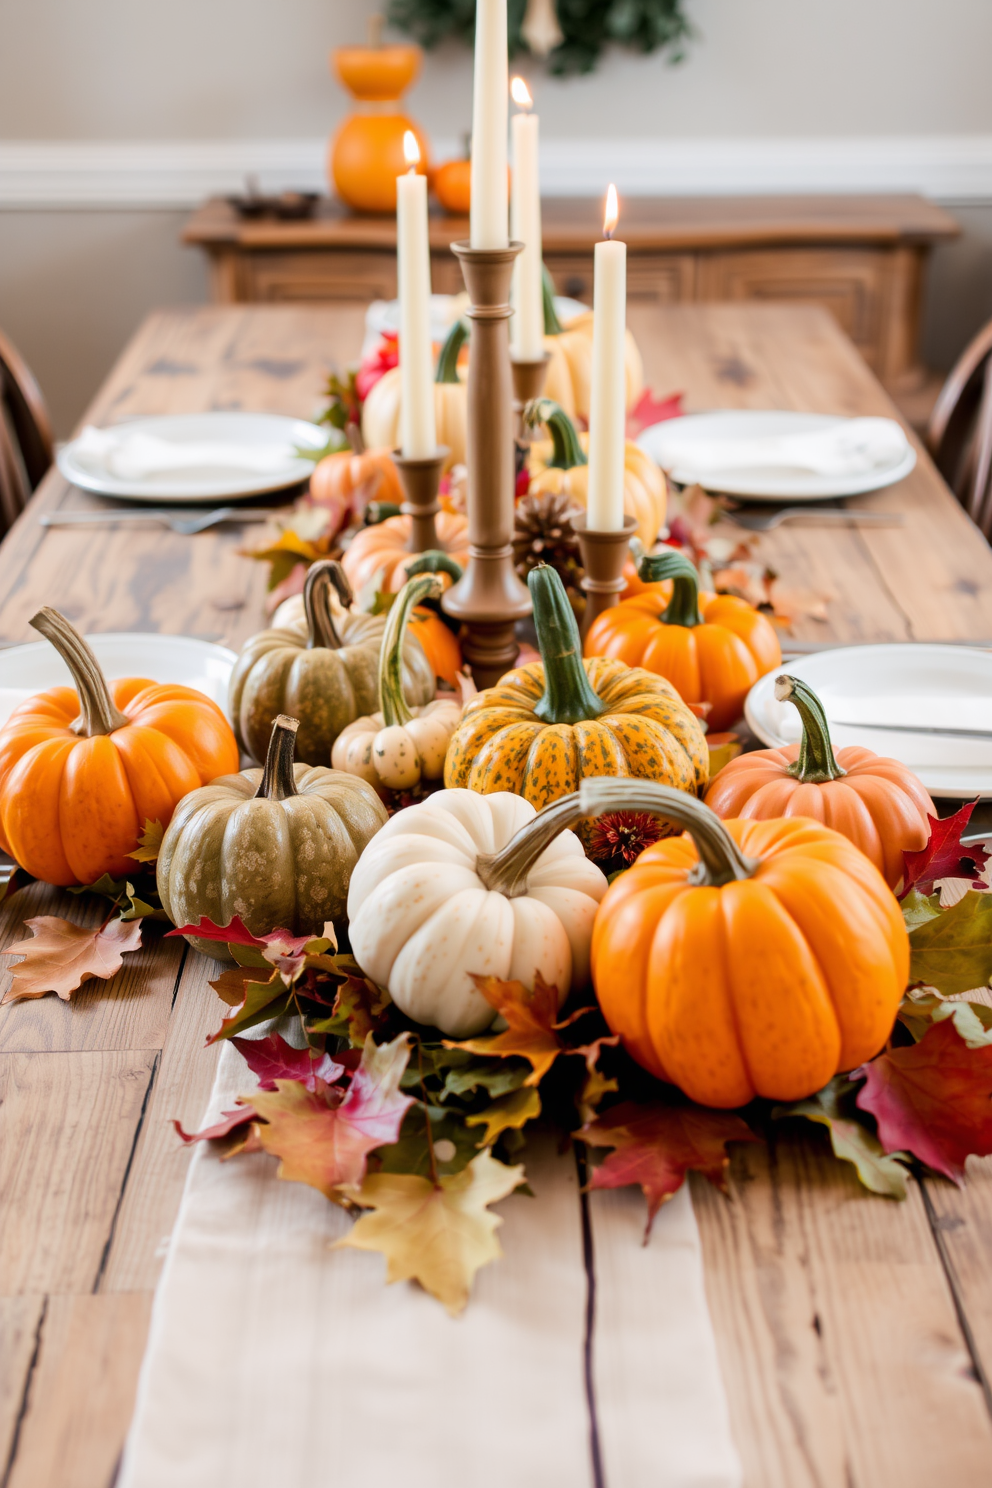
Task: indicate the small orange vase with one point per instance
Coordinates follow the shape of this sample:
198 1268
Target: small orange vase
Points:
366 154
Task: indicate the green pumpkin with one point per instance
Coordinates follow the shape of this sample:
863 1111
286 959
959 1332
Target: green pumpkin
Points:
322 669
276 847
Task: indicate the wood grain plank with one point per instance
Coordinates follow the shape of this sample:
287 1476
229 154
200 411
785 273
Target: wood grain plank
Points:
20 1322
67 1128
82 1393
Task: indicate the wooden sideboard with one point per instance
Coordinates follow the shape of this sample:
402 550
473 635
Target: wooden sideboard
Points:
862 257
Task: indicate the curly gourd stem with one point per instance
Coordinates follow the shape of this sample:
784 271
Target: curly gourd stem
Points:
392 703
434 561
506 872
321 630
566 451
552 325
683 607
569 696
447 357
98 712
720 859
816 762
278 778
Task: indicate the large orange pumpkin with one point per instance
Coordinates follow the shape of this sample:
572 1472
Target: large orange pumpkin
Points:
366 154
82 770
711 647
745 958
878 803
385 547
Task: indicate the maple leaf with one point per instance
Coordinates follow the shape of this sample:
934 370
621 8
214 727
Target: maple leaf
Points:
656 1145
917 908
323 1140
919 1010
149 843
229 1122
62 956
932 1099
237 934
510 1111
16 880
952 951
650 410
530 1016
272 1059
497 1077
262 1000
438 1234
834 1108
358 1010
944 856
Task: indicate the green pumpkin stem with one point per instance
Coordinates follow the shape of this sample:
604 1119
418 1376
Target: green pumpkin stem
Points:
683 607
392 703
447 358
552 325
435 562
99 713
321 630
817 762
566 451
278 778
569 696
506 872
720 859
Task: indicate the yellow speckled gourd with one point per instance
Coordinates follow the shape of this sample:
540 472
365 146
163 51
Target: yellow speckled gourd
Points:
547 725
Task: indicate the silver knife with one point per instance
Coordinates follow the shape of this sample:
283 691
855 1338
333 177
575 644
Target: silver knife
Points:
911 728
156 514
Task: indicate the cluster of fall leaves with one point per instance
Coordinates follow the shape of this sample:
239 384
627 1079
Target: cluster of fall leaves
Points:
418 1135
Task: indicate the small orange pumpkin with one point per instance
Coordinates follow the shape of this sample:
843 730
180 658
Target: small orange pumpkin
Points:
346 483
82 770
877 803
711 647
453 186
745 958
386 546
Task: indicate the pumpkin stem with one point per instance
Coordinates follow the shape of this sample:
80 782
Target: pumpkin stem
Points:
683 607
321 630
506 872
435 562
566 451
98 712
278 780
392 703
816 762
569 696
720 859
447 358
552 325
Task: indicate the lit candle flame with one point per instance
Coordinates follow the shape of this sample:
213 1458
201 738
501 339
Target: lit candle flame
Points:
411 150
520 93
612 212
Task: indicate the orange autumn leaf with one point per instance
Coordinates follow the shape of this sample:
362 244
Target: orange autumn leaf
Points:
62 956
530 1017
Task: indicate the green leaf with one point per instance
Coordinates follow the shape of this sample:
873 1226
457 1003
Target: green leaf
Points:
511 1112
834 1108
918 908
110 888
454 1145
919 1010
141 909
497 1077
149 842
263 1000
953 951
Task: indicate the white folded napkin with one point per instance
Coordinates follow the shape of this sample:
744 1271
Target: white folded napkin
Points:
134 455
854 446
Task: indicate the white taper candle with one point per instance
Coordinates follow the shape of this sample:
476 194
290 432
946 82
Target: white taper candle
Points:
489 117
608 400
418 430
527 325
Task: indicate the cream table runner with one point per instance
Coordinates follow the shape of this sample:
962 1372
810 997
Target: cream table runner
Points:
275 1363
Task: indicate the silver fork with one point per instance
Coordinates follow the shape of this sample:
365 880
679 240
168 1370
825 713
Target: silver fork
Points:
187 522
828 515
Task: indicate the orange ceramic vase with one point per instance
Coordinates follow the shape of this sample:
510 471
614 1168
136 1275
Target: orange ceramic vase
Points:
366 154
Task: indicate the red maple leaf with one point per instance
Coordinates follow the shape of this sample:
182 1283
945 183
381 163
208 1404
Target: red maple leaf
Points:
657 1144
237 933
650 410
272 1059
228 1122
944 856
933 1099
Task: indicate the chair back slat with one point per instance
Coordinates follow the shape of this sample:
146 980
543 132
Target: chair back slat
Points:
959 435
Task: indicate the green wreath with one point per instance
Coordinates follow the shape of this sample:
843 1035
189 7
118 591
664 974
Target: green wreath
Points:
586 27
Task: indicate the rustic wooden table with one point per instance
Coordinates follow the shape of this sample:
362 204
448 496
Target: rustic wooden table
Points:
855 1334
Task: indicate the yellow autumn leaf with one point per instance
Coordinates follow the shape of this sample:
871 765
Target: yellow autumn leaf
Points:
437 1234
149 843
513 1110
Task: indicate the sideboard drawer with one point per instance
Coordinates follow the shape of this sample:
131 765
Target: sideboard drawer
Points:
317 275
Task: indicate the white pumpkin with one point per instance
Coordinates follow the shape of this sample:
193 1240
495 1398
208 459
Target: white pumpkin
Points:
430 904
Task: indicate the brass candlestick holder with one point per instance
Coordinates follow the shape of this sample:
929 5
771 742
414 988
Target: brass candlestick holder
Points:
603 556
421 477
489 598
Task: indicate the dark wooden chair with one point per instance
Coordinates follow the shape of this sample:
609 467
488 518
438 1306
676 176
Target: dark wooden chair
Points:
26 449
959 434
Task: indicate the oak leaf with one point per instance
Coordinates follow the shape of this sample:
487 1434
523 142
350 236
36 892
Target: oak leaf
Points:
850 1138
149 842
953 951
272 1059
62 956
530 1017
932 1099
656 1145
438 1234
944 855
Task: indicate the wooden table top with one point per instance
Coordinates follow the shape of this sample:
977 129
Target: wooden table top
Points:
648 223
854 1333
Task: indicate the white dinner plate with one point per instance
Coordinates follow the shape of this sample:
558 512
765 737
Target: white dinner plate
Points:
32 668
931 686
775 483
207 483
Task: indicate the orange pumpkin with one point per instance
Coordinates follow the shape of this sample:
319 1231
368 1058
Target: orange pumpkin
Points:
386 547
439 643
367 151
711 647
745 958
877 803
453 186
346 483
74 797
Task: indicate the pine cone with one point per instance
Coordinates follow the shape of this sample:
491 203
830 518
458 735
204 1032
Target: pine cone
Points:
543 533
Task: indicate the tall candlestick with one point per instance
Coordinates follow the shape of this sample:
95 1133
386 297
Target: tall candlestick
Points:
608 392
489 115
527 325
418 430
